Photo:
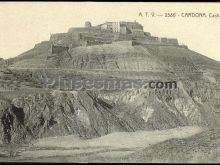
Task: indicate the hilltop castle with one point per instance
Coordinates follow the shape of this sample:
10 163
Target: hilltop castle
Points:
108 33
123 27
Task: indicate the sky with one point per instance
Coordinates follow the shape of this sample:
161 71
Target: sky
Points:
23 24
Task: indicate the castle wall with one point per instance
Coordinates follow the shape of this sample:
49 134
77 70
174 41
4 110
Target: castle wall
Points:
126 43
163 40
84 30
132 25
117 26
57 49
172 41
123 30
107 33
58 36
138 33
65 39
104 26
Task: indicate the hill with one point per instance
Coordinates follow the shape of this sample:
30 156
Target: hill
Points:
29 111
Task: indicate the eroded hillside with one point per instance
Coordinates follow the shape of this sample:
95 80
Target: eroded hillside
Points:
90 114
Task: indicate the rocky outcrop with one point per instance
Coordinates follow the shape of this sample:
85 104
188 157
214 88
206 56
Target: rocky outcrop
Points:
90 114
61 113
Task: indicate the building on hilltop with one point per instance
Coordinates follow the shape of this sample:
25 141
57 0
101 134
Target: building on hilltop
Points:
107 33
172 41
123 27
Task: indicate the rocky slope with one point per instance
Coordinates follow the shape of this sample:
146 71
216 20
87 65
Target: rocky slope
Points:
89 114
33 58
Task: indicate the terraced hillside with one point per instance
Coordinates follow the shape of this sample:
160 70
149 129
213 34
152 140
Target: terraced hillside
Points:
117 57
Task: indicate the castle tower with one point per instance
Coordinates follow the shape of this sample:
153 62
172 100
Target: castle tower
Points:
88 24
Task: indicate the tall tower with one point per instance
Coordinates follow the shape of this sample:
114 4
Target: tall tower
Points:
88 24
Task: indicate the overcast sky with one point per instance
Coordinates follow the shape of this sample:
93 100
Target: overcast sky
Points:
24 24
